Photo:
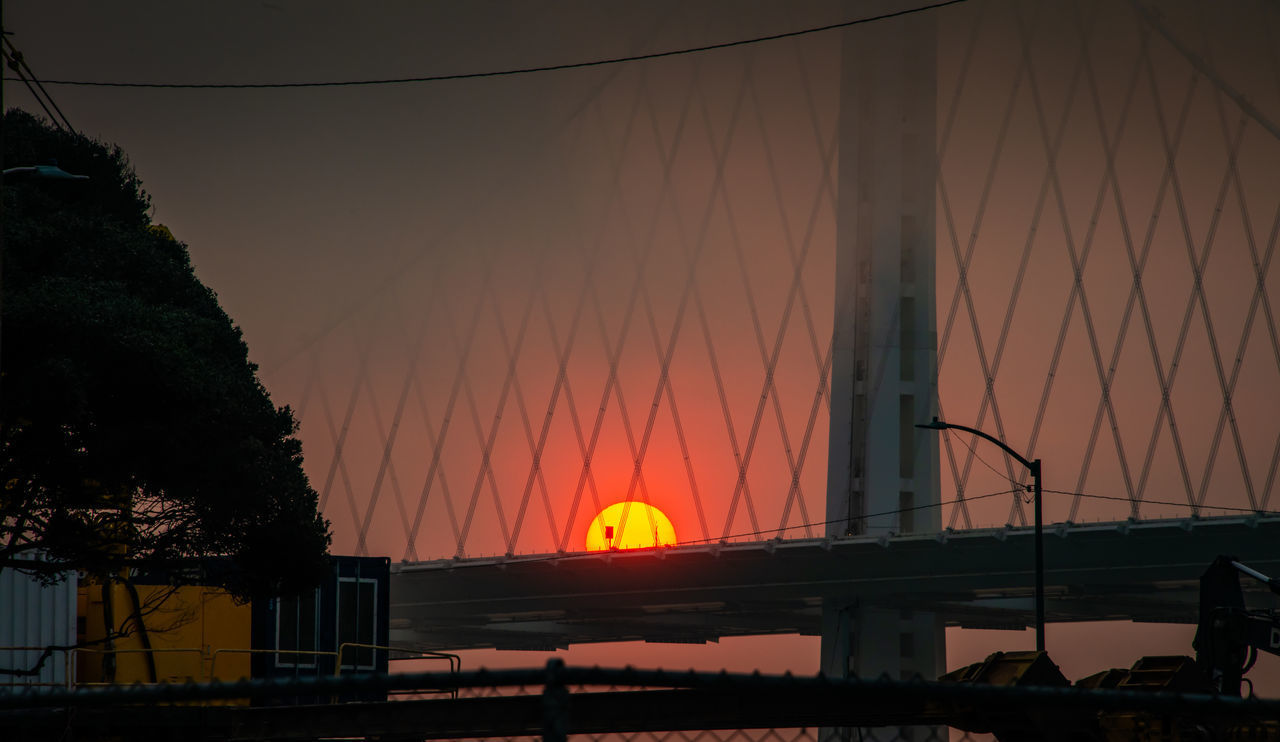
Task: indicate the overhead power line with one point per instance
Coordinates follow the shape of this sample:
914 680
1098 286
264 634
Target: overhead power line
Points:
15 61
778 531
864 516
977 456
1173 503
508 72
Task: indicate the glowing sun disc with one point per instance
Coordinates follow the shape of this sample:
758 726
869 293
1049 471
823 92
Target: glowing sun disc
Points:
645 527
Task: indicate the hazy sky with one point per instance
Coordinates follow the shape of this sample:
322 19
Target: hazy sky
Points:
355 234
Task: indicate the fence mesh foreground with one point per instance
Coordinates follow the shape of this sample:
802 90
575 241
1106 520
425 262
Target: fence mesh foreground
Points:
557 703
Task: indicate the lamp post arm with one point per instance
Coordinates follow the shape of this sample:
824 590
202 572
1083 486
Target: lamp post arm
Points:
1021 459
1034 468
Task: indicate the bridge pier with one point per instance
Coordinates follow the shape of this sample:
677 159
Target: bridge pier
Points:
884 366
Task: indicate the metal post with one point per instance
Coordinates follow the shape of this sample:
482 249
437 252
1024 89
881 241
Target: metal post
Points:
1035 478
555 703
1034 468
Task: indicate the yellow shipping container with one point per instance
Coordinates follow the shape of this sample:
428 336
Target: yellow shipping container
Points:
193 632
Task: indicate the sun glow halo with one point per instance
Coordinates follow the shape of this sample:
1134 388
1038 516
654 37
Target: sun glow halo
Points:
646 527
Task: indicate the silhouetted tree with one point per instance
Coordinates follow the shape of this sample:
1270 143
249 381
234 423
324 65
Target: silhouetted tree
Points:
135 429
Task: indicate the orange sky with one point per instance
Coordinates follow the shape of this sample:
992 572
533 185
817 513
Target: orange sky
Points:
360 236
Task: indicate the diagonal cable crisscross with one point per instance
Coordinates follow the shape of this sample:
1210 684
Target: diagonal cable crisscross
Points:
1196 264
460 379
1137 263
963 290
824 193
1259 297
386 466
510 385
1078 256
687 291
613 350
612 353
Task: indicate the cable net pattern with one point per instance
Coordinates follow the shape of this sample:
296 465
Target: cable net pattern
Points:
644 313
1105 241
870 734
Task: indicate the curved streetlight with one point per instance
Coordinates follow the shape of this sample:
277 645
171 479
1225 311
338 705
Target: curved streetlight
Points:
1034 468
42 172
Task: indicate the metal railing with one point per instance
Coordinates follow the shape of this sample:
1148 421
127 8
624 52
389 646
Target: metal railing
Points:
16 681
233 650
209 661
74 682
455 663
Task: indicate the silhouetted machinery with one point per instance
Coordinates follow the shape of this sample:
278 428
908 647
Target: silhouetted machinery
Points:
1230 636
1227 641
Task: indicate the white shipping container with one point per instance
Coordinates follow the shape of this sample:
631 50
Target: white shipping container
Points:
34 616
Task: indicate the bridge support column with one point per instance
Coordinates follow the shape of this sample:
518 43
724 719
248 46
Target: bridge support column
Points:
884 373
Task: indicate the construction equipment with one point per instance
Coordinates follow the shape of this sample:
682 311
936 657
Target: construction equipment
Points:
1229 635
1228 638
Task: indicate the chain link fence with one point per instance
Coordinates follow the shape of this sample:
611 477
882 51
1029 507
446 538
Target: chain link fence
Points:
557 703
935 733
848 734
802 734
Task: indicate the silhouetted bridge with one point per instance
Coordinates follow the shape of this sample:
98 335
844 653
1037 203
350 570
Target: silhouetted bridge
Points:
1140 571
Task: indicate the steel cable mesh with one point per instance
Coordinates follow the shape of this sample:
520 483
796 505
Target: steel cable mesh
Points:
1111 195
869 734
646 315
874 734
601 372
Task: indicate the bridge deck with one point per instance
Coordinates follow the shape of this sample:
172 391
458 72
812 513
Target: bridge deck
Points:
1142 571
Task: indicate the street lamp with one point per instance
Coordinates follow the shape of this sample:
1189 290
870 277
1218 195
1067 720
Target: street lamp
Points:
42 172
1034 468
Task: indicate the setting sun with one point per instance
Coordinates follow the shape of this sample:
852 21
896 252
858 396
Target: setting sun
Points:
646 526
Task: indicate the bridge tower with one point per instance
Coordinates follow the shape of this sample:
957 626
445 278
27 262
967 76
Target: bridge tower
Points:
884 373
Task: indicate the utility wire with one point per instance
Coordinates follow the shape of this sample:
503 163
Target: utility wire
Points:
1018 491
964 441
13 64
554 557
17 62
1164 502
865 516
510 72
